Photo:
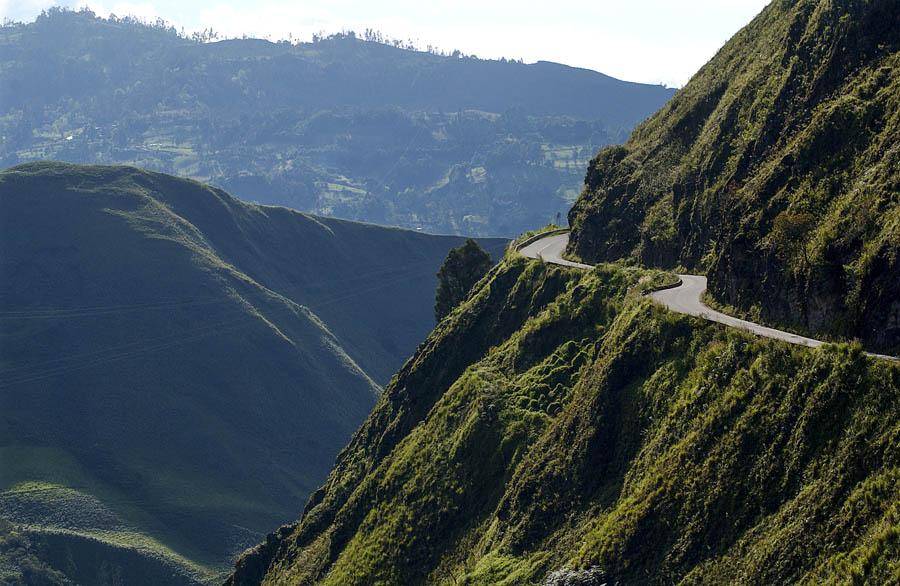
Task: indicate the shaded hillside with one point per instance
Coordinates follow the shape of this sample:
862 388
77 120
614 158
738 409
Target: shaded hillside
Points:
341 127
776 170
20 562
178 368
582 436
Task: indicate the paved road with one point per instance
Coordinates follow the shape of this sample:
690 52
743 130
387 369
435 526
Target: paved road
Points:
686 298
551 249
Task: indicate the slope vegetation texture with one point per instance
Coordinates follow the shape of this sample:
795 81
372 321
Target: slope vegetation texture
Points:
558 428
776 170
178 370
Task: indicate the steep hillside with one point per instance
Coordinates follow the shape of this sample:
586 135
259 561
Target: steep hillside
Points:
340 127
559 429
179 369
581 435
776 170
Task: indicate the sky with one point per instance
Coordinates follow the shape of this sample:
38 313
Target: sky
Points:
651 41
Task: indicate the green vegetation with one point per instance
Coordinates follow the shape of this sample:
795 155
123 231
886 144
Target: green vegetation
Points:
462 269
558 428
179 369
582 431
20 563
775 170
91 542
344 126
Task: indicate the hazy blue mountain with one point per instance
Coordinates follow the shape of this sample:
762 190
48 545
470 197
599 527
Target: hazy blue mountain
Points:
341 127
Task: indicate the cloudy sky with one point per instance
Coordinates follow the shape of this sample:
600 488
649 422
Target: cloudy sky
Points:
654 41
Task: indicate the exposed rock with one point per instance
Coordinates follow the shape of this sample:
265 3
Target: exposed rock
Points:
593 576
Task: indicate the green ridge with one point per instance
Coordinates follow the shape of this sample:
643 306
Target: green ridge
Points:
179 369
582 428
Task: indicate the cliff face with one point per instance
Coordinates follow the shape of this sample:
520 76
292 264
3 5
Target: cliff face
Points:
776 170
557 426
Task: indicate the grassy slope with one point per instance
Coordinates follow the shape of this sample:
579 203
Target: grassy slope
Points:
170 399
798 116
582 427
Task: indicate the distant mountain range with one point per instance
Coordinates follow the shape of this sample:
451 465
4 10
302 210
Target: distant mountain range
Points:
341 127
178 369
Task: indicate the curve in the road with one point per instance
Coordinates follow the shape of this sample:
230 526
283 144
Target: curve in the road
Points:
686 298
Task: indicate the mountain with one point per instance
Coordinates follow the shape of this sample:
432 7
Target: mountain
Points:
776 171
558 428
342 127
178 368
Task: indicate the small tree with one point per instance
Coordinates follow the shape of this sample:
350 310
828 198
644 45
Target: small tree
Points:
790 235
463 267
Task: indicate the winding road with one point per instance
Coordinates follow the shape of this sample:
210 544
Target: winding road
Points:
686 298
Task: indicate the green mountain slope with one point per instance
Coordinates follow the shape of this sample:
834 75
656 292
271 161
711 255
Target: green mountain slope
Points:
341 127
776 170
179 369
583 434
559 429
